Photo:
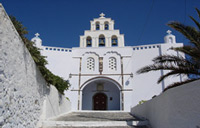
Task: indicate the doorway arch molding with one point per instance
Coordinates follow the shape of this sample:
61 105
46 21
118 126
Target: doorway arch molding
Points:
101 78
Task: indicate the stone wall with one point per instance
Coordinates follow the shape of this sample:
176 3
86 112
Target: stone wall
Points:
176 108
25 97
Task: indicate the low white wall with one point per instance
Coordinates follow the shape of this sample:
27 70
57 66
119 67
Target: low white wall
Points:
25 97
176 108
54 104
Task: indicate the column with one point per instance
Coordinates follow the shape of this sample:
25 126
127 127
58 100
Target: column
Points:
107 41
93 41
97 42
84 42
81 42
101 26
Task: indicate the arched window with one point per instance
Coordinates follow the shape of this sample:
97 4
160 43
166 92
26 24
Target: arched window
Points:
90 64
89 41
106 25
114 41
112 64
101 41
97 25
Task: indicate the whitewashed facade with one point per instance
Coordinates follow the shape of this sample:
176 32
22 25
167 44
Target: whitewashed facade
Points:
102 71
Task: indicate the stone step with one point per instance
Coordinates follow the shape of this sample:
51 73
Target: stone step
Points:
67 124
95 119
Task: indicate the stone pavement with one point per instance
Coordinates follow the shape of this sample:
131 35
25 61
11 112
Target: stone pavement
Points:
96 119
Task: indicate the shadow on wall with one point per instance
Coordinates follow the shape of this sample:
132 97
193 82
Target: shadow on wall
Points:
176 108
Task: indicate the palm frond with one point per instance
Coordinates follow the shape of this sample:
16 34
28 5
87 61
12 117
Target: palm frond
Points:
168 59
178 72
195 21
176 84
189 32
189 50
177 65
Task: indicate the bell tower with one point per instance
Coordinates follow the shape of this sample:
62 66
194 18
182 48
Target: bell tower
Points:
102 34
169 38
37 41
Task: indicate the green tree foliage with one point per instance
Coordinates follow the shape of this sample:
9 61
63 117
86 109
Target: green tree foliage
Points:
178 65
40 60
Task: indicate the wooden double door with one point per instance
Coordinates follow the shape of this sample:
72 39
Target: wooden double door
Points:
100 101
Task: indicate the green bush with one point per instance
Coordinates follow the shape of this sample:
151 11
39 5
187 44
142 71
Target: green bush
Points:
40 60
142 101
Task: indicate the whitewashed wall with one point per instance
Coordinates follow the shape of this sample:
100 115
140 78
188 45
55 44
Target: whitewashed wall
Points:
176 108
145 85
129 59
58 59
23 90
54 104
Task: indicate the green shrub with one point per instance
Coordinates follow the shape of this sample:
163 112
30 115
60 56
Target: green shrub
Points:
40 60
142 101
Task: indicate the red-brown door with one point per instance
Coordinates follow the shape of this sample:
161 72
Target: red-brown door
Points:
100 101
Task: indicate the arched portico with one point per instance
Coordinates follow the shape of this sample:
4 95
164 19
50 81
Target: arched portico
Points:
101 93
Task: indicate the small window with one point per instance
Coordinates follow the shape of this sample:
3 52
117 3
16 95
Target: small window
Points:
112 64
90 64
89 41
114 41
97 25
101 41
106 26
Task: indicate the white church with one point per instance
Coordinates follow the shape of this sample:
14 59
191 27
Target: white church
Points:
102 71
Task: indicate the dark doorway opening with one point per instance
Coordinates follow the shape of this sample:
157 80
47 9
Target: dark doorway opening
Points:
100 101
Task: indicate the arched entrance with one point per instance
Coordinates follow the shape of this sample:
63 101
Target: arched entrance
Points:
101 93
100 101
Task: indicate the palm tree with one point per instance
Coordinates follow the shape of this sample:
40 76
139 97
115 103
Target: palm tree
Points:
178 65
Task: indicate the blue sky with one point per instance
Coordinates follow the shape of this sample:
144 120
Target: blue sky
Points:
61 22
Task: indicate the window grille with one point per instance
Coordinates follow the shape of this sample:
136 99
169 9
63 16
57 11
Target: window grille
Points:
90 64
112 64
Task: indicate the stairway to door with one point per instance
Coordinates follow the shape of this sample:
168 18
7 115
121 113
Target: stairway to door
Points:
96 119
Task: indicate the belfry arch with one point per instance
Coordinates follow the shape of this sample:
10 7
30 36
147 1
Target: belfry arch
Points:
101 93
